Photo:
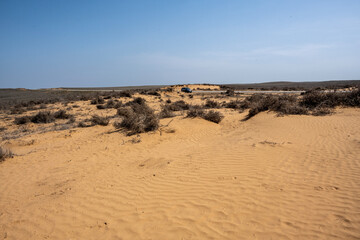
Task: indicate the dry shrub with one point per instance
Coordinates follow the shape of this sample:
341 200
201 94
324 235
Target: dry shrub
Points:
284 104
235 104
166 112
125 93
195 113
100 106
213 116
230 92
178 106
137 117
43 117
83 124
110 104
211 104
97 100
17 110
314 99
22 120
61 114
98 120
5 153
321 111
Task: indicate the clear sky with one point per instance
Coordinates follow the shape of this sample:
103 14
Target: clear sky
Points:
74 43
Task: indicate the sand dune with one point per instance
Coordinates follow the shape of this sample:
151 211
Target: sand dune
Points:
292 177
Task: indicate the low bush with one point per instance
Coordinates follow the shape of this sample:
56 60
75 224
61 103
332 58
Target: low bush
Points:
110 104
314 99
230 92
321 111
43 117
22 120
166 112
235 104
61 114
98 120
137 117
98 100
195 113
178 106
213 116
125 93
100 106
211 104
83 124
5 153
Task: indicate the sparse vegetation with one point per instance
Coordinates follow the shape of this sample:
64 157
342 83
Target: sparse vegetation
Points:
5 153
61 114
97 100
211 104
98 120
195 113
166 112
178 106
43 117
211 115
137 117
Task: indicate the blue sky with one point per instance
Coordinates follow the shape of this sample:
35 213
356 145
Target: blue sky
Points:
88 43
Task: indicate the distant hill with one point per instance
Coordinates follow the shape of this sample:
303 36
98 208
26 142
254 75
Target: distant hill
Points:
295 85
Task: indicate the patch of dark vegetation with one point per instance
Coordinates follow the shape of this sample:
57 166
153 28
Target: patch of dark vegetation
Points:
84 124
43 117
317 103
98 120
166 112
195 113
230 92
17 110
314 99
2 129
288 86
211 104
5 153
283 104
110 104
212 116
22 120
97 100
137 117
150 92
178 106
126 93
321 111
62 114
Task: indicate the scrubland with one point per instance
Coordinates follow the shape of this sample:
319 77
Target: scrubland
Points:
162 164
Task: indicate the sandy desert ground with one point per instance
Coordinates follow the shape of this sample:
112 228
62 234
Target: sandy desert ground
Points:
290 177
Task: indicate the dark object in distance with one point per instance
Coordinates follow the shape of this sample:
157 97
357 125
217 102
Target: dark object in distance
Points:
186 90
